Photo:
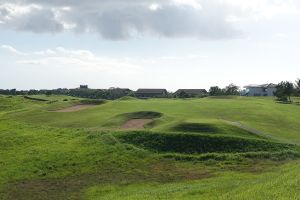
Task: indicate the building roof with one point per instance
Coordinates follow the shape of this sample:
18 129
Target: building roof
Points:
192 91
268 85
151 91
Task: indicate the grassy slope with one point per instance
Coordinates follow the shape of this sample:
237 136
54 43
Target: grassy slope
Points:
56 159
280 184
279 120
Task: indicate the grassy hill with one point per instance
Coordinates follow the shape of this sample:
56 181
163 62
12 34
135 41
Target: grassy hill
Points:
210 148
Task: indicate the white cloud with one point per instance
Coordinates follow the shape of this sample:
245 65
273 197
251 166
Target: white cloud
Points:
123 19
116 19
264 9
30 17
81 59
12 49
281 35
194 3
154 6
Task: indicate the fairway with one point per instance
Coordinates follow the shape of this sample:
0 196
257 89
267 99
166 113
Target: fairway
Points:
206 148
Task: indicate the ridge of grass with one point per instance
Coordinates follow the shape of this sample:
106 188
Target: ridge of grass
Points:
191 143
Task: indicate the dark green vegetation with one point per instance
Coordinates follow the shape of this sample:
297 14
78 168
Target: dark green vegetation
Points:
196 127
193 143
194 150
92 101
34 99
112 93
142 115
285 89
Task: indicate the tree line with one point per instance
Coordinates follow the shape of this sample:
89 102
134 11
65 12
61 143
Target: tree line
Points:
284 91
113 93
231 89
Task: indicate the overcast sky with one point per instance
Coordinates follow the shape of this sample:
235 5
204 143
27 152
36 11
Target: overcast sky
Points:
148 43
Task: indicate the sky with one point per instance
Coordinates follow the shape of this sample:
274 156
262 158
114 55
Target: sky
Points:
47 44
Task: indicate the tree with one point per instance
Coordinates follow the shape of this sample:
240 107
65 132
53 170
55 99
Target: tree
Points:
297 87
232 90
284 90
48 92
215 91
182 94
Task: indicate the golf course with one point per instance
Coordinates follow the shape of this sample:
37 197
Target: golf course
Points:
212 148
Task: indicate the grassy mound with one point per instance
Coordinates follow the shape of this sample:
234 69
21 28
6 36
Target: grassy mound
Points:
197 144
92 101
195 127
127 98
214 127
120 119
34 99
142 115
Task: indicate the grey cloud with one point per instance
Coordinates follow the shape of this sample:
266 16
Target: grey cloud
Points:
121 19
39 22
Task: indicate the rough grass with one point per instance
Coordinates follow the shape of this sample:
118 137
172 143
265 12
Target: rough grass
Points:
279 184
47 155
52 163
264 114
34 98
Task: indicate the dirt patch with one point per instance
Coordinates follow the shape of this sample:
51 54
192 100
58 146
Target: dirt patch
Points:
75 108
136 123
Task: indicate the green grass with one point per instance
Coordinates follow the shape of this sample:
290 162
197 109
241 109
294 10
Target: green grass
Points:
279 120
191 151
280 184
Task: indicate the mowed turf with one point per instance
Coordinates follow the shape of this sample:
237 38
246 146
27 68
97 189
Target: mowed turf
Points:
86 155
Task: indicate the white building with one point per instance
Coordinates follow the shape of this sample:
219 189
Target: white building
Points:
260 90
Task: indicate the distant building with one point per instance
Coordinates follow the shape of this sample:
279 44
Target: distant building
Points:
151 93
192 92
260 90
83 87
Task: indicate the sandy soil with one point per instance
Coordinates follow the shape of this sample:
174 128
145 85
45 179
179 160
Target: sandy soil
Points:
136 123
75 108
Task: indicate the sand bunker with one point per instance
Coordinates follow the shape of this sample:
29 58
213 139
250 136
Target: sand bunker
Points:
75 108
136 123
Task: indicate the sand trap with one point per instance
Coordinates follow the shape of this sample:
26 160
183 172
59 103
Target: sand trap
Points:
136 123
75 108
